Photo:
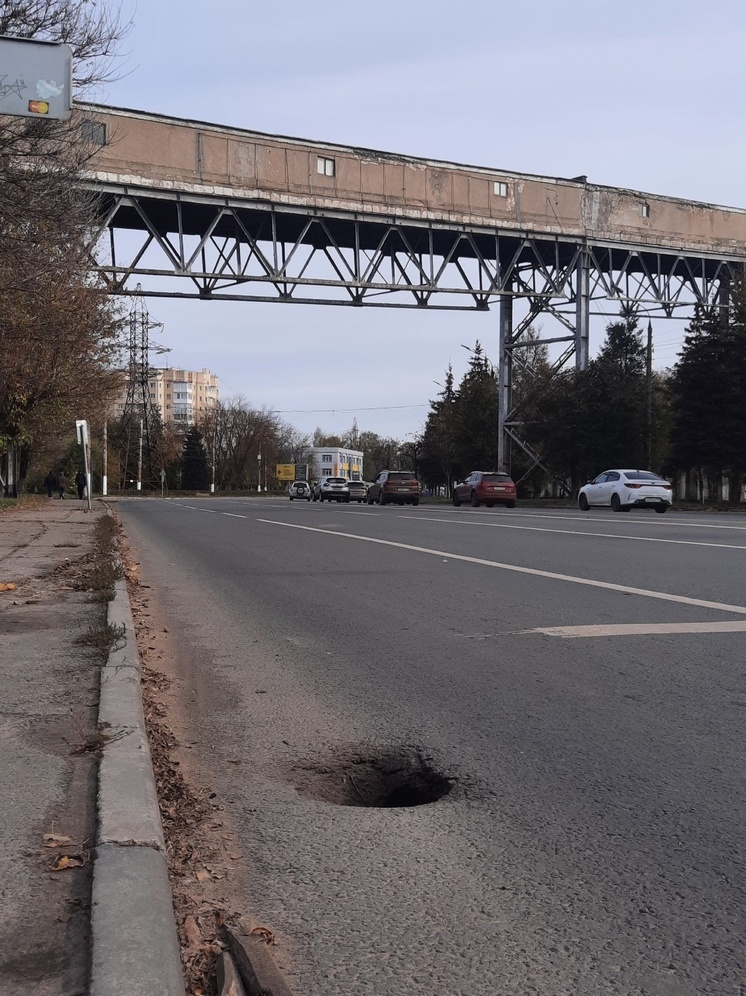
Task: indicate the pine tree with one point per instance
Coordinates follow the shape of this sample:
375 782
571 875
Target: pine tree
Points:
195 472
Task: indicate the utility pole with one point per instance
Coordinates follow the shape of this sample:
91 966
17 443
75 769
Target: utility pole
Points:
649 394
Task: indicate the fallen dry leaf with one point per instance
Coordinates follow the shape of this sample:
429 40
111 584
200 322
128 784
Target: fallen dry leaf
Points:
56 840
265 933
65 861
7 586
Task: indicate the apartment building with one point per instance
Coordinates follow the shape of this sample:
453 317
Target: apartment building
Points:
181 395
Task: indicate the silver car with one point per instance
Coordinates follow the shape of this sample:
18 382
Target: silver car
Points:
622 490
332 489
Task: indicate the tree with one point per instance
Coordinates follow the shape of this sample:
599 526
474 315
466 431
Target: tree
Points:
708 391
58 330
438 455
195 472
476 415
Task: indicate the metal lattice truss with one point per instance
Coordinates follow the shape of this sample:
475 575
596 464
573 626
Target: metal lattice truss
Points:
267 252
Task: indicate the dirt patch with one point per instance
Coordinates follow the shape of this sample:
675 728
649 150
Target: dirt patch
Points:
205 866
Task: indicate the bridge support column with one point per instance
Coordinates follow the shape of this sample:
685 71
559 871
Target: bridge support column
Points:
582 310
504 378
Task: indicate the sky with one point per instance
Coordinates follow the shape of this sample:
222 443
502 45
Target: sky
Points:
644 95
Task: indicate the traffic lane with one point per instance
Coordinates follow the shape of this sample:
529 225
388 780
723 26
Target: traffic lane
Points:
577 792
338 529
692 568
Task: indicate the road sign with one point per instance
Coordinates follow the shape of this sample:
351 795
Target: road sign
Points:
35 78
285 471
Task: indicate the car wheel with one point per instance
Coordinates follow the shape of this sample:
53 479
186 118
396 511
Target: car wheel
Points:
660 509
583 503
510 504
291 497
490 504
456 500
309 498
474 501
616 505
416 501
381 499
370 500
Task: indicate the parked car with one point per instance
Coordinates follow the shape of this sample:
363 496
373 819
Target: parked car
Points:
300 489
488 487
622 490
332 489
400 486
358 491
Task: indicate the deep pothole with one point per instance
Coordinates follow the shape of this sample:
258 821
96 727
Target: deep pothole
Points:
383 779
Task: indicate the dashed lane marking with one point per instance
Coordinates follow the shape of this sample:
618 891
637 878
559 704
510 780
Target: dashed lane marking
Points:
641 629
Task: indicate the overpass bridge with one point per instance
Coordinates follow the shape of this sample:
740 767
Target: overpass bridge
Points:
208 211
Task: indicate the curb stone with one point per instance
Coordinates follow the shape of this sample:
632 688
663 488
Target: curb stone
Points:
135 947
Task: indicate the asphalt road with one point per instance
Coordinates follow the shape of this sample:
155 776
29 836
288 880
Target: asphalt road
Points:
593 840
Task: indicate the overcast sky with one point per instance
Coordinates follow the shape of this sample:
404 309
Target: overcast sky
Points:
647 95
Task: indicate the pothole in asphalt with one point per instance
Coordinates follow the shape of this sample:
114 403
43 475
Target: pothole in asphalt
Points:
386 779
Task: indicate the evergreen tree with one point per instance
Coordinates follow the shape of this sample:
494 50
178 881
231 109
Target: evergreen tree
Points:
709 394
195 472
476 415
438 451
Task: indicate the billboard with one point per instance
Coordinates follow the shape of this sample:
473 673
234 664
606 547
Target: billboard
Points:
35 78
285 471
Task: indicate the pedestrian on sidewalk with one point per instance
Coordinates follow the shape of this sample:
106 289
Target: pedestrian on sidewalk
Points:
61 483
50 483
81 481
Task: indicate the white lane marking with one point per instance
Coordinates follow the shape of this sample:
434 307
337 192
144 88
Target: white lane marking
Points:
627 520
573 532
234 515
355 512
551 575
641 629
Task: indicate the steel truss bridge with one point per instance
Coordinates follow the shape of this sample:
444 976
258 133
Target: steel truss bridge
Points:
203 211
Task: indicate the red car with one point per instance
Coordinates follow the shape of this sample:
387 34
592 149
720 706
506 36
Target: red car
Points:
485 487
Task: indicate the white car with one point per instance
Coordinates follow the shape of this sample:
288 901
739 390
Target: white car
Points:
300 489
622 490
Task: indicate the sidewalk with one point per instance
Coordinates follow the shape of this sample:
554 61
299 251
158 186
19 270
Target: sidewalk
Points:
50 748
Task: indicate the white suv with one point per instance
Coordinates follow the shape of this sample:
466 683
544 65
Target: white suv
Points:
300 489
332 489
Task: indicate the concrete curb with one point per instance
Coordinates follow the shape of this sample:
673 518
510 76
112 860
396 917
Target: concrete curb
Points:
135 947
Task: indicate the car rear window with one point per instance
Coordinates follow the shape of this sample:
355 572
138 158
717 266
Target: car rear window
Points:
496 477
642 475
337 480
401 476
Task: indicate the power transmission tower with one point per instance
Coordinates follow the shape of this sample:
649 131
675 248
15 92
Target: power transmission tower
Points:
141 415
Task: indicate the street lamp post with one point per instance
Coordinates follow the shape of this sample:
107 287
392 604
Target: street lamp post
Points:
259 474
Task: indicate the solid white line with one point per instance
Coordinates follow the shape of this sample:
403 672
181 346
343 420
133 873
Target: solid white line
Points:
641 629
443 554
234 515
630 519
572 532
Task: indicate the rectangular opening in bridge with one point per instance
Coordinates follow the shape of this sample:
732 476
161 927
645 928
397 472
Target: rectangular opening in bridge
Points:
325 166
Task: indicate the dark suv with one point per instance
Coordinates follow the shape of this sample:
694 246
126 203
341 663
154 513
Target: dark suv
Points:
400 486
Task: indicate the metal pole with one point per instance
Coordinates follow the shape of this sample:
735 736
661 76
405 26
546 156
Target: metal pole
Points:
212 485
582 310
104 475
504 375
139 462
259 474
649 393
